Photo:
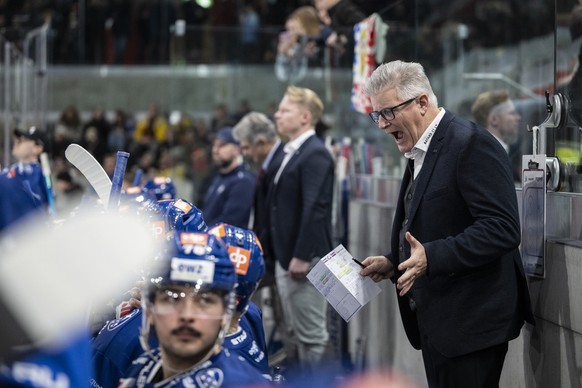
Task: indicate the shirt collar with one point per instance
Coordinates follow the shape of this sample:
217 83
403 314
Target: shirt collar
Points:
270 155
503 144
294 144
423 143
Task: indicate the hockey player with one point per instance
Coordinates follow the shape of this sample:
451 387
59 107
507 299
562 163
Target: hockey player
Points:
115 347
180 215
246 335
118 344
165 216
23 180
133 198
64 366
189 303
161 186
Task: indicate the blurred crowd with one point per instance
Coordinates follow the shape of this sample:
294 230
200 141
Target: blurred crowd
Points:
176 144
153 31
246 31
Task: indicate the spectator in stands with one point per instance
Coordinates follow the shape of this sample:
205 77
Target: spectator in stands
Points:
67 130
68 193
121 130
220 118
250 24
119 22
95 134
154 21
200 160
150 134
95 31
244 107
223 19
109 164
195 17
297 44
343 15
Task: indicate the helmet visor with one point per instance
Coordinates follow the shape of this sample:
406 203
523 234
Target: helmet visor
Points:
198 302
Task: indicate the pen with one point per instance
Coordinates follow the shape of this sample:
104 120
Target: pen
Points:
359 263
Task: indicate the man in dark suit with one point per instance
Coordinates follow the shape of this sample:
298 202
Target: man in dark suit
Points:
461 287
299 219
260 143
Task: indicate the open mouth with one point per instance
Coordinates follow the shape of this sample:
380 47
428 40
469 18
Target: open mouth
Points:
398 135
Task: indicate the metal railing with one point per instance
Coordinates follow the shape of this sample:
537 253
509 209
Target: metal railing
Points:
24 68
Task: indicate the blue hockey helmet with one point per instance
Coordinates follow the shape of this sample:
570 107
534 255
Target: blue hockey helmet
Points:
135 199
196 263
246 254
161 187
178 214
199 260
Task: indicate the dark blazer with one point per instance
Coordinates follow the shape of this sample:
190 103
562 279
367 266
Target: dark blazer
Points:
464 212
300 205
261 212
263 182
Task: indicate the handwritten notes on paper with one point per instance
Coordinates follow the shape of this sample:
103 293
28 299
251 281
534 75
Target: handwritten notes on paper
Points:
337 277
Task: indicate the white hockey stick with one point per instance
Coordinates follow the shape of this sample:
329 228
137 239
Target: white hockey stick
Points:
91 169
49 275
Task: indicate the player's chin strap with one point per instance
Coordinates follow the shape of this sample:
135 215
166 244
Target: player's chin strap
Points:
144 336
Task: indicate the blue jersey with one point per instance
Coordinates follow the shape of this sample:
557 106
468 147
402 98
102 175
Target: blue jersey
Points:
221 370
29 174
22 191
229 198
115 347
249 341
67 367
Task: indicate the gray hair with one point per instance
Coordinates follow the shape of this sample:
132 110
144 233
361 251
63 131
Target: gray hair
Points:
252 125
407 78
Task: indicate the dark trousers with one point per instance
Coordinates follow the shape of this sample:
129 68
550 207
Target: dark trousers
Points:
480 369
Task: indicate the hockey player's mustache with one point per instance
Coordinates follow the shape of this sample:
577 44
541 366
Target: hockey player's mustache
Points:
186 330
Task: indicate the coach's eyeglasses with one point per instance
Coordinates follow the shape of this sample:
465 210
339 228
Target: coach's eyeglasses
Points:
388 113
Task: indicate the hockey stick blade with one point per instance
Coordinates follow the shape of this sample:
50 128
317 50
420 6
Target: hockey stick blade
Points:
50 275
91 170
